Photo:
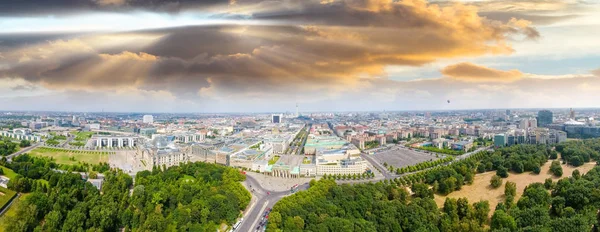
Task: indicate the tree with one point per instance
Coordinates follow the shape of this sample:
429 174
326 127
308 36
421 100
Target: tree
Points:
576 161
496 181
556 169
576 175
510 188
501 220
482 208
502 172
24 143
548 184
422 190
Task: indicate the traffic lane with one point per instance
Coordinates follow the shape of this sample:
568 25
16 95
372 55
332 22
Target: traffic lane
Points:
23 151
251 217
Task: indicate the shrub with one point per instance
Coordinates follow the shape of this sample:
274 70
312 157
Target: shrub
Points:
496 181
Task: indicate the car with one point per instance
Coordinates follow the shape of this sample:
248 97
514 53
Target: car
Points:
258 228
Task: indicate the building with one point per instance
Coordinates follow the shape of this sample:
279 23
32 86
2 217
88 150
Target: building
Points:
162 150
101 141
462 145
500 140
276 118
544 118
21 134
37 125
148 119
571 114
339 162
148 132
279 146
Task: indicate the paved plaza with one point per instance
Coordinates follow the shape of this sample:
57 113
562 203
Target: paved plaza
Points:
402 157
277 183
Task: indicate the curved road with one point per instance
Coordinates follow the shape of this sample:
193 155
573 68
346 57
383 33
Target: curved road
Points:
260 202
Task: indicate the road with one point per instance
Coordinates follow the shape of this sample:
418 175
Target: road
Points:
24 150
381 168
260 202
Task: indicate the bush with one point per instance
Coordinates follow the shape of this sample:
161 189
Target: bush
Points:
496 181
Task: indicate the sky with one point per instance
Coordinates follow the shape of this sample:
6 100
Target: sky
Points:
324 55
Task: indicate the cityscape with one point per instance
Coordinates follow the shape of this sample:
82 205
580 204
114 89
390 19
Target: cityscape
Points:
300 115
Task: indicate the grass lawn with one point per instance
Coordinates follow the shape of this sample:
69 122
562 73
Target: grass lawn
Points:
83 135
5 196
11 211
306 161
64 156
274 160
481 189
8 172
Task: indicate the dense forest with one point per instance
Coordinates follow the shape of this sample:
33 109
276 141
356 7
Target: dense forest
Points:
571 204
190 197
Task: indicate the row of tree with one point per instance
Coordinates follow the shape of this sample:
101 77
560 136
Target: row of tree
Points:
364 175
419 166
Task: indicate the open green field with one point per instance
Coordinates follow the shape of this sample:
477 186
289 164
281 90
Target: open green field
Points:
5 196
65 156
8 172
11 211
83 135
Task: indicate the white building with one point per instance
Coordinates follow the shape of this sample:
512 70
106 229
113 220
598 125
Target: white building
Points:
21 134
148 119
115 141
333 162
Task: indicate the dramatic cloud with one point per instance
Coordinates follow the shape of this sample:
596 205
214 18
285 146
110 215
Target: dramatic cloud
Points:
476 73
311 51
331 46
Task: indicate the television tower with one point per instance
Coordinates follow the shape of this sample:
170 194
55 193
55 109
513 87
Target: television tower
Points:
297 114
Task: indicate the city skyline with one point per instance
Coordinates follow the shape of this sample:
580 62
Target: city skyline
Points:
258 56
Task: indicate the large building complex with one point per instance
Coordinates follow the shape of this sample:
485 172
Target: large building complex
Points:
162 150
110 141
21 134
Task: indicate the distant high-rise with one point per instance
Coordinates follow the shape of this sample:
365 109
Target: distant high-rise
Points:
148 119
572 114
544 118
507 112
297 113
276 118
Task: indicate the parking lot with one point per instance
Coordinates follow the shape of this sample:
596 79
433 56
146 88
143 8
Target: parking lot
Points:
402 157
